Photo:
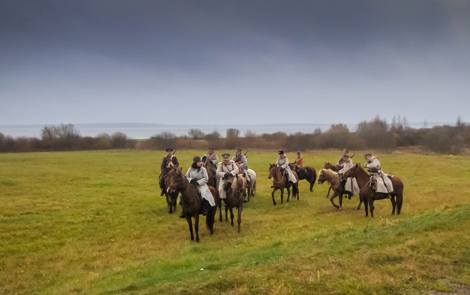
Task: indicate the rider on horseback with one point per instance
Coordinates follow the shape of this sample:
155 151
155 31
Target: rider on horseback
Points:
243 163
283 163
225 170
197 176
348 185
381 180
211 156
298 166
168 162
342 158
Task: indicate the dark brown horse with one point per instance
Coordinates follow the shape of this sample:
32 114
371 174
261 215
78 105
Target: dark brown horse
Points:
177 182
328 165
211 172
235 192
368 196
308 173
280 183
171 196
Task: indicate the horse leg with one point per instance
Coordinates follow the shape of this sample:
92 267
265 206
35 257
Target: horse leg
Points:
190 223
371 205
288 194
220 210
340 201
360 202
328 193
399 202
332 198
282 196
231 215
394 203
366 207
272 194
196 226
240 209
226 211
212 212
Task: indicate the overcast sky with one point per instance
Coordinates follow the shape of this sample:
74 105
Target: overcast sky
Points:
233 62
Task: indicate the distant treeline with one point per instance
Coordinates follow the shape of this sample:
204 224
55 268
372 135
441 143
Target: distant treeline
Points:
375 134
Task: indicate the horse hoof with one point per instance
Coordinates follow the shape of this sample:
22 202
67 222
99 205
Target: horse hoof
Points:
340 208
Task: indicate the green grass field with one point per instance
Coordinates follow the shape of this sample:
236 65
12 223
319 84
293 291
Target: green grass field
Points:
94 223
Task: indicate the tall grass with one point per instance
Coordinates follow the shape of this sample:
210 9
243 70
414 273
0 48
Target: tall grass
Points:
93 223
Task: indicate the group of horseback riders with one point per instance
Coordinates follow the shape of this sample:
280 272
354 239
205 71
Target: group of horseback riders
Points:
380 180
197 174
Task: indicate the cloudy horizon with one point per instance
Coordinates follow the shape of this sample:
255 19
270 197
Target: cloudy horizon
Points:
243 62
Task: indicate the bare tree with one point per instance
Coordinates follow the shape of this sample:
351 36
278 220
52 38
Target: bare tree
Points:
196 134
232 132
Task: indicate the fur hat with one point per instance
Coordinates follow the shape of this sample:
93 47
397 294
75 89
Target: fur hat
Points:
225 155
196 159
367 155
169 150
281 152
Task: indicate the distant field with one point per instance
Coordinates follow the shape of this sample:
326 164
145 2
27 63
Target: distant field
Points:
94 223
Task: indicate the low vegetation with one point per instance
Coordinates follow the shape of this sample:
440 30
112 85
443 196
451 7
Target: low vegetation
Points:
375 134
92 222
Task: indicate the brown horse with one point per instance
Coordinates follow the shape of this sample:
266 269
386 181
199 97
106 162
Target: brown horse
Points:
333 179
280 183
368 196
308 173
211 172
171 196
177 182
328 165
236 190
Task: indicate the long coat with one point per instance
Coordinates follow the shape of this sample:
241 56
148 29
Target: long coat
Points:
351 182
221 170
284 164
384 184
201 176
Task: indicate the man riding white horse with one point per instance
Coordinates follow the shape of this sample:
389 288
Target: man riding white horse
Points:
283 163
241 160
383 183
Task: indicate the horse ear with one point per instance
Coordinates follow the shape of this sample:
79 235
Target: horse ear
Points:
180 169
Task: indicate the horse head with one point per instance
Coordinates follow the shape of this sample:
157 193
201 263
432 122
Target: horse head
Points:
352 172
322 177
174 180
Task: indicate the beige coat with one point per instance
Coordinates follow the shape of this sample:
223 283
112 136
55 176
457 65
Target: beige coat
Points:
221 170
284 164
201 176
351 183
384 184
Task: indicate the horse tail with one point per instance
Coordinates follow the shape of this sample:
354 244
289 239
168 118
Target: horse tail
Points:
295 189
253 191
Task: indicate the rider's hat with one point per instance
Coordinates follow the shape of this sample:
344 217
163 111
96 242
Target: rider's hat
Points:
169 150
225 155
281 152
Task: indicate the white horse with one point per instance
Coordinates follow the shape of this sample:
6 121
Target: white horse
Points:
251 189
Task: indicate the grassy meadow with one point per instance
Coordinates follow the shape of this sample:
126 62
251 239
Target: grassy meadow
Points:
94 223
